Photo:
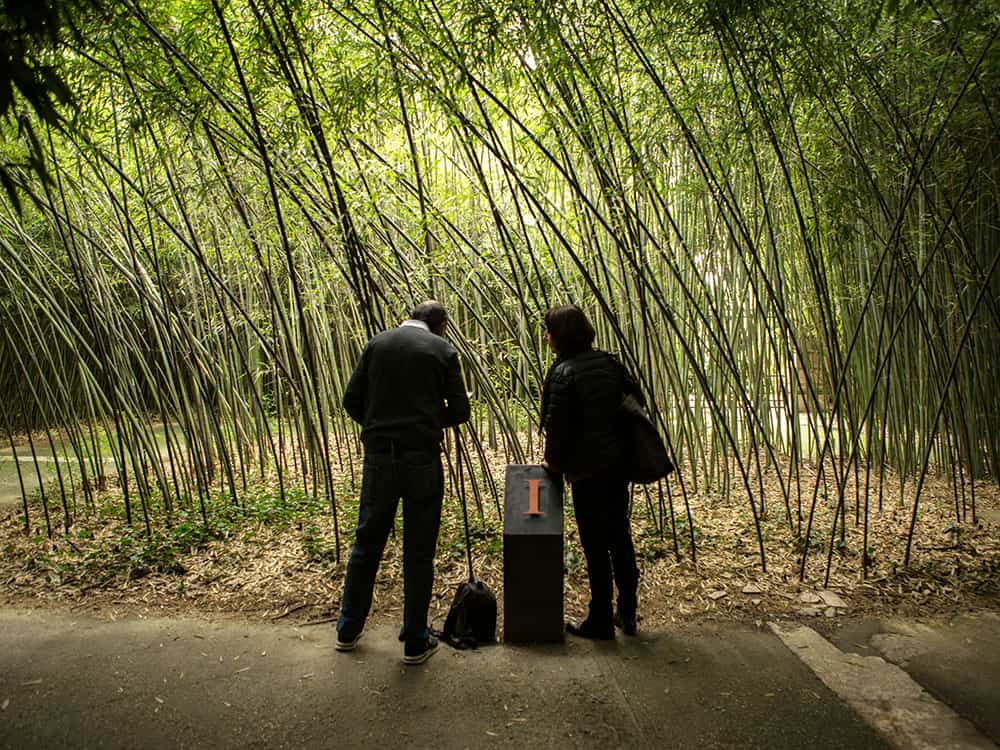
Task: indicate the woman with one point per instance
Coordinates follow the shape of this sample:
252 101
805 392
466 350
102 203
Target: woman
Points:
585 442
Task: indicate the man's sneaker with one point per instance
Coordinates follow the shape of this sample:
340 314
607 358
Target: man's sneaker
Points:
347 643
418 653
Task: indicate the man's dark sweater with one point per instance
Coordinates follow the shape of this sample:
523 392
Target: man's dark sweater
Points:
406 388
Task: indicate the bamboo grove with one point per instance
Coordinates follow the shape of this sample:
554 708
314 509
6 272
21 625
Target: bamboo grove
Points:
782 215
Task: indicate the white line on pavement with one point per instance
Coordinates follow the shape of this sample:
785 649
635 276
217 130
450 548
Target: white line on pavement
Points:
883 695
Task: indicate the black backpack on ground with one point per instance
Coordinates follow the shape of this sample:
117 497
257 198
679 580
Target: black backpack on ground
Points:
472 618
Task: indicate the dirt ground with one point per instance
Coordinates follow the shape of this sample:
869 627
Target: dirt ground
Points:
290 573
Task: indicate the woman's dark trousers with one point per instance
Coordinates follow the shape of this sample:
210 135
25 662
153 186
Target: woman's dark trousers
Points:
417 478
601 506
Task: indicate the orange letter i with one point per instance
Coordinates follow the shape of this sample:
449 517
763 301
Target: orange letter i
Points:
533 489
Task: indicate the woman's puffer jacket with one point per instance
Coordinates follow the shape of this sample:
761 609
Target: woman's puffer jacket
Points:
580 415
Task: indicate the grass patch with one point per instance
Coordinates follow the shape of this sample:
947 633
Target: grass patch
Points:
102 545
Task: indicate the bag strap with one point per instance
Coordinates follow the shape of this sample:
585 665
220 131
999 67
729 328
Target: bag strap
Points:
461 495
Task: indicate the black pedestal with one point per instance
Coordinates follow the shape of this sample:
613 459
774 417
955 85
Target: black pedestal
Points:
532 556
532 588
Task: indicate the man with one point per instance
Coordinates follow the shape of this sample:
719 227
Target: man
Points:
405 390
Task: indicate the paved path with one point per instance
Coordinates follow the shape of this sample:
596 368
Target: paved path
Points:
184 683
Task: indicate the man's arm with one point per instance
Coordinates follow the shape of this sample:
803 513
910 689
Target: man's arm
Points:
356 395
456 410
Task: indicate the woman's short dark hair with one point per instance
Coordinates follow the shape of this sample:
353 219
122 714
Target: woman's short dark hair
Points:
570 330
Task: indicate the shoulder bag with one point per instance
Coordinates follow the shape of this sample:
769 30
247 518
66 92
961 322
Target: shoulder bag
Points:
646 455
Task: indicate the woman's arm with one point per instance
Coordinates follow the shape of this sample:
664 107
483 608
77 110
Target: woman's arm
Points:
631 387
557 419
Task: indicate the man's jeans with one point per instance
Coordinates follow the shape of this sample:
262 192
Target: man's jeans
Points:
417 478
